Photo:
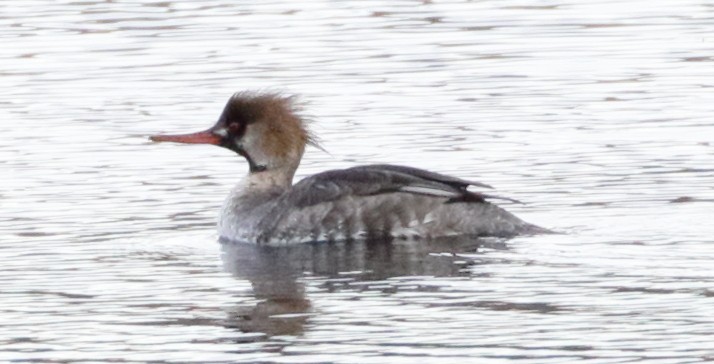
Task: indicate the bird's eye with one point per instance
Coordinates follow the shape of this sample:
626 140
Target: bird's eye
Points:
234 127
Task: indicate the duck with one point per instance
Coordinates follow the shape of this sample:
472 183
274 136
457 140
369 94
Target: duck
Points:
366 202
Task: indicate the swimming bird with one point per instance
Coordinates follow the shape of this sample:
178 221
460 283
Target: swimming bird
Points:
377 201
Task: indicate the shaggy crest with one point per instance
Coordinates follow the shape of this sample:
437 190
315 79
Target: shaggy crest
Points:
279 115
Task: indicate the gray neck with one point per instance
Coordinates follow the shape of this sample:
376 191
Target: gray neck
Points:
269 180
253 198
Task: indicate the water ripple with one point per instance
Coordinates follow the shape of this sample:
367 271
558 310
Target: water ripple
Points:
596 114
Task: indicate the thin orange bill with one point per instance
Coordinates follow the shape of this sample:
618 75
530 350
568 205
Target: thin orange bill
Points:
202 137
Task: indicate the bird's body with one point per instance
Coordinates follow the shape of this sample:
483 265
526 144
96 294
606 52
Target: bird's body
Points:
372 201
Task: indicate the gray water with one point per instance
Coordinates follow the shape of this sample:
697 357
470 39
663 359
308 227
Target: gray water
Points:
597 114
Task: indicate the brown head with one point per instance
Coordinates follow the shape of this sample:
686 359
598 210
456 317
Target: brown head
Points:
263 128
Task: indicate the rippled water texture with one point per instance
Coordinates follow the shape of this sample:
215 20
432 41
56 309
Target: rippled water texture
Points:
597 114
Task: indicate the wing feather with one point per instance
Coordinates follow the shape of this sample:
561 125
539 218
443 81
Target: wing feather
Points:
379 179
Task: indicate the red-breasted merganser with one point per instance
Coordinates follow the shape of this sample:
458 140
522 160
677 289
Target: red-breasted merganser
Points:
371 201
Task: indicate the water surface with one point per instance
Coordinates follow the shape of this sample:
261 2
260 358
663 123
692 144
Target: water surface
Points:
596 114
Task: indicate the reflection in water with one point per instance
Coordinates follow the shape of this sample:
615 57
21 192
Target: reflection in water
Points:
597 114
276 273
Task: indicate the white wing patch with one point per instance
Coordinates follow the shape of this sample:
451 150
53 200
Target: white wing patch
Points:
421 190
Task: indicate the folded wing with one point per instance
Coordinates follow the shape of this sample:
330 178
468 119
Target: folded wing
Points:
378 179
